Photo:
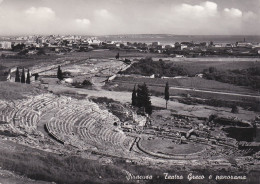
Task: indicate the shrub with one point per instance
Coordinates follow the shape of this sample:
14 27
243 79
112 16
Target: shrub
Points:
246 77
86 83
234 109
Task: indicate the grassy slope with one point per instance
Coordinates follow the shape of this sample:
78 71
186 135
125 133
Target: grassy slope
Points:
10 177
13 91
71 169
46 166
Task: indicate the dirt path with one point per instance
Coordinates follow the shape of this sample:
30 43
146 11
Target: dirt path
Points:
217 92
43 120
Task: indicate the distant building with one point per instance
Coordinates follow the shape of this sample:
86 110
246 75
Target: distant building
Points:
244 44
217 45
94 42
51 41
177 46
179 56
229 45
110 42
32 52
169 46
256 45
155 44
5 45
39 40
183 46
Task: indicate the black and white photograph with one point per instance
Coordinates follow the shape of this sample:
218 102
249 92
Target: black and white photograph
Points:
129 91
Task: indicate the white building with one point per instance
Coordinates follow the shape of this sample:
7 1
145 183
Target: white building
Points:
183 46
93 42
256 45
5 45
217 45
244 44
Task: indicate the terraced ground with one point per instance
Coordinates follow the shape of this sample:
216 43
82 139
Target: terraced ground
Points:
80 123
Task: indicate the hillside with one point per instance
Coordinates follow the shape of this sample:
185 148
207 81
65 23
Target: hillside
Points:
14 91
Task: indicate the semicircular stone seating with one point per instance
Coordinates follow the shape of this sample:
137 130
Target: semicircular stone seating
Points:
80 123
85 122
26 113
6 112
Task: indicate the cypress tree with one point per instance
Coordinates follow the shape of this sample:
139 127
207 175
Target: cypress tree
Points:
17 75
143 98
36 76
28 80
59 73
166 93
23 77
147 100
117 56
148 108
139 96
234 109
134 97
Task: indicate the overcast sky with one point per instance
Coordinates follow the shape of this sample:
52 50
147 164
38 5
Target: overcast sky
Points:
103 17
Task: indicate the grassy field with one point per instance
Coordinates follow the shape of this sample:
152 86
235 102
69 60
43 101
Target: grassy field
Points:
191 65
186 82
197 65
218 100
112 54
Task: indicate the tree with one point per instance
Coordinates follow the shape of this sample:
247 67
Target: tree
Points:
86 83
117 56
28 79
23 52
166 93
23 77
139 96
234 109
148 107
212 69
17 75
41 51
59 73
143 99
134 97
36 76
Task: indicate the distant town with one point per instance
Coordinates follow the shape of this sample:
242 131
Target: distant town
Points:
40 45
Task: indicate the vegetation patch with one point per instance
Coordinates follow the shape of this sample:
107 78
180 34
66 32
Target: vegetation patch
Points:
149 67
246 104
245 77
123 112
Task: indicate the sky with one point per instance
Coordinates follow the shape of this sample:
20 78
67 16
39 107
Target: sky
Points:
111 17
